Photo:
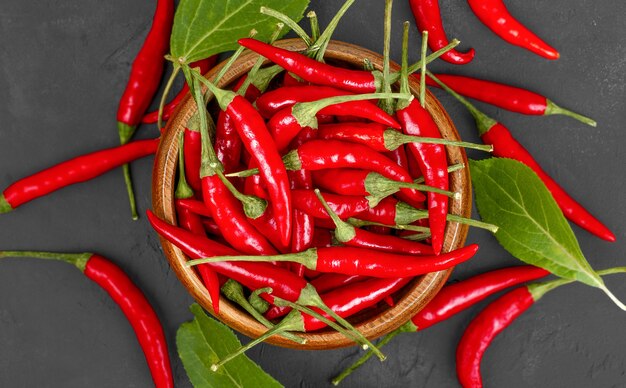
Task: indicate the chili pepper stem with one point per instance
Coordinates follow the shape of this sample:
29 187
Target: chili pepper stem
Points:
344 232
423 69
483 122
183 190
393 78
315 26
304 112
253 206
292 322
234 291
254 71
79 260
395 139
259 304
554 109
307 258
131 192
5 207
387 104
324 39
408 327
166 91
310 297
289 23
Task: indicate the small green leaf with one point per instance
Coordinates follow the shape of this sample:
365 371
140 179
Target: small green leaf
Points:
206 27
204 341
531 225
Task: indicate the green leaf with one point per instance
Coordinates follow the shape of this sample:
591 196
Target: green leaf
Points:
531 226
204 341
206 27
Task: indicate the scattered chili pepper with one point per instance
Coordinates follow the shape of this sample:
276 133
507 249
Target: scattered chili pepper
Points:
358 261
506 96
79 169
496 317
428 17
204 65
131 300
506 146
495 15
454 298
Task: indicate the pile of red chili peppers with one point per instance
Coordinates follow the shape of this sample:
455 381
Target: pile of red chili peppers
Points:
248 202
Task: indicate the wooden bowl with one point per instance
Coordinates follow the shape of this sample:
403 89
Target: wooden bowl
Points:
373 323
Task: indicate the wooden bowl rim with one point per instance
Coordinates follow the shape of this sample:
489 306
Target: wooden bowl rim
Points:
415 295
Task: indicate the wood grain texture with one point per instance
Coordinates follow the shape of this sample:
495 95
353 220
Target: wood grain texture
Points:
373 323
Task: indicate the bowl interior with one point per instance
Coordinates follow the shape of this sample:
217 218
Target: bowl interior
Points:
372 323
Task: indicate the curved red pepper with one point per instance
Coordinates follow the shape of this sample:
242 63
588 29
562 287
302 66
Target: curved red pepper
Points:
345 206
192 150
433 163
273 101
428 17
76 170
310 70
493 14
146 71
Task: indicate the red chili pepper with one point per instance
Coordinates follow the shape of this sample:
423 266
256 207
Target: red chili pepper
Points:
433 163
195 206
343 205
355 237
495 15
428 17
496 317
506 146
352 298
79 169
129 298
211 227
506 96
152 117
145 74
454 298
366 262
318 73
259 143
324 154
273 101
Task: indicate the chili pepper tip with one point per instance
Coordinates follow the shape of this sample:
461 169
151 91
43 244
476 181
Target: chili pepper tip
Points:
5 206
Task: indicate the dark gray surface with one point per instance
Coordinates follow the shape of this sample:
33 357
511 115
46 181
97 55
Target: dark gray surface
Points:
63 67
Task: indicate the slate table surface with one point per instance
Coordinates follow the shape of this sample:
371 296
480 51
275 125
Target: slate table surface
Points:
63 67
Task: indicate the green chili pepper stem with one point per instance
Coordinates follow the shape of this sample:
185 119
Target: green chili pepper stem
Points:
406 214
288 22
387 104
394 139
131 192
324 39
404 70
554 109
414 228
451 169
259 304
292 322
209 163
312 298
234 291
166 91
537 290
253 206
483 122
183 190
245 173
315 26
423 69
265 75
304 112
5 207
252 74
406 328
344 232
307 258
395 77
79 260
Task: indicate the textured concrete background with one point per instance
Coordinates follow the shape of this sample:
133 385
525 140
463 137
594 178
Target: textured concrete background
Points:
63 66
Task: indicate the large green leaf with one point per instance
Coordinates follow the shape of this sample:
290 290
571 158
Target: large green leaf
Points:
204 341
206 27
531 225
